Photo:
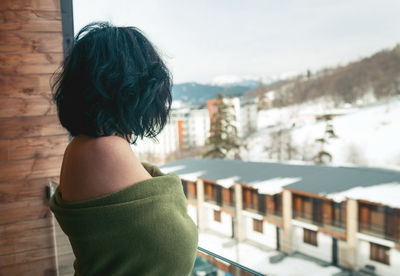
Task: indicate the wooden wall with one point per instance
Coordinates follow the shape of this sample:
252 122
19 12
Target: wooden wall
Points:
31 140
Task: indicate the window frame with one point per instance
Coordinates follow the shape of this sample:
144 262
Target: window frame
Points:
258 225
310 237
379 253
217 215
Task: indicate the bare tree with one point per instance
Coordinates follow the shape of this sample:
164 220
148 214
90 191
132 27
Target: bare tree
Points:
281 145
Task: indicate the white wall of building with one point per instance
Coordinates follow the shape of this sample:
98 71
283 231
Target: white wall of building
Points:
223 227
197 127
322 251
363 258
192 211
267 238
248 116
167 142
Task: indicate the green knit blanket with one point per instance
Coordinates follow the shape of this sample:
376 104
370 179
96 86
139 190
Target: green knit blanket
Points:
143 229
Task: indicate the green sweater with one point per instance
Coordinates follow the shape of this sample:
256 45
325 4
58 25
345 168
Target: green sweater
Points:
143 229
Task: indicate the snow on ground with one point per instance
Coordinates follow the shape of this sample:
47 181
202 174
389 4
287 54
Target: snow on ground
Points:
367 136
257 258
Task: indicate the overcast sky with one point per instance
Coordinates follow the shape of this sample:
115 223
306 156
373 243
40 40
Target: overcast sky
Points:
201 40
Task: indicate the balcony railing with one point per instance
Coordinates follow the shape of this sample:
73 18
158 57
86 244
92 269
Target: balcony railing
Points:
380 231
305 216
309 217
267 212
221 202
211 264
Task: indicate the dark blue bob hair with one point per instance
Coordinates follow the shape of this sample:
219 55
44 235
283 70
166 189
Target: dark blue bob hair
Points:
113 82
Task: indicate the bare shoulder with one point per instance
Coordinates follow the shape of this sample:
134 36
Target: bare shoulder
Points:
94 167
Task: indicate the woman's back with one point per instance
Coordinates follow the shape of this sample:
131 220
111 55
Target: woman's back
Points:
93 167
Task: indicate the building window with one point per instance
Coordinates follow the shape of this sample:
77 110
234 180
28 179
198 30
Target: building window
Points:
277 198
185 188
338 215
262 206
310 237
192 190
213 193
228 197
250 198
379 253
217 215
380 220
258 225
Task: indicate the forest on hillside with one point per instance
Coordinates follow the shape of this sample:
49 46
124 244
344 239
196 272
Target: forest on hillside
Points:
377 76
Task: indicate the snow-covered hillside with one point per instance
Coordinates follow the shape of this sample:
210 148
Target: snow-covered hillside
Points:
367 136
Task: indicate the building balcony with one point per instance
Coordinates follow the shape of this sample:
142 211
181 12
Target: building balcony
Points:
273 214
333 226
379 231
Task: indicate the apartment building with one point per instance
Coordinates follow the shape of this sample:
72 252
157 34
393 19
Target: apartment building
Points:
248 115
186 128
243 108
349 217
156 151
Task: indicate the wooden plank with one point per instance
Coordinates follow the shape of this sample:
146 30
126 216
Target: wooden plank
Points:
23 105
30 168
25 84
45 267
30 63
28 42
327 212
32 189
25 240
30 21
270 204
192 191
27 256
25 224
30 127
24 210
38 147
38 5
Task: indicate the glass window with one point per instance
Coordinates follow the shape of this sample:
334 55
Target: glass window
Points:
310 237
379 253
258 225
217 215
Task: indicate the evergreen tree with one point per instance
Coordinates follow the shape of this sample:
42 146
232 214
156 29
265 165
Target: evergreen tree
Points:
223 138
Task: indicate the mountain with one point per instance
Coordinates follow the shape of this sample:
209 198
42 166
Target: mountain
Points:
365 80
196 93
232 80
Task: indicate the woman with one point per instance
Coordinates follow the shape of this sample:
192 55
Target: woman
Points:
122 216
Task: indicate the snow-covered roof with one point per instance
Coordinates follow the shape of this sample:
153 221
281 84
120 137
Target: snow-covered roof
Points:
274 185
337 183
387 194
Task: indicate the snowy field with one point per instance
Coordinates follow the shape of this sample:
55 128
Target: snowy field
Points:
257 258
367 136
